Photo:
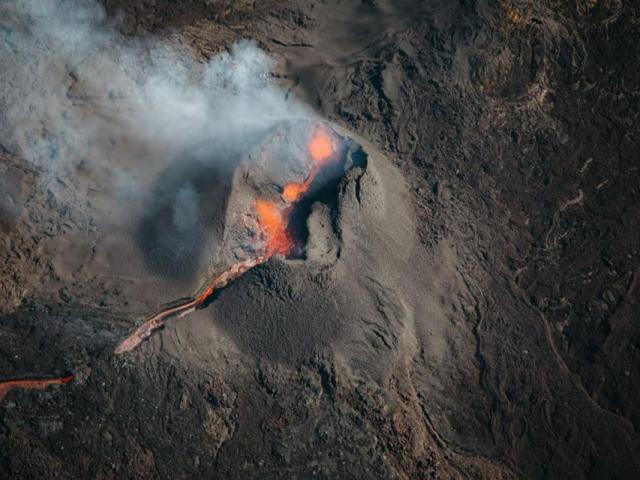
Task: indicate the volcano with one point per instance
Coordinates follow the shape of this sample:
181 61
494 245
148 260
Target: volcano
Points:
341 195
288 240
272 231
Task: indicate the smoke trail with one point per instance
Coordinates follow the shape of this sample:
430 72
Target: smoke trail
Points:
185 211
77 93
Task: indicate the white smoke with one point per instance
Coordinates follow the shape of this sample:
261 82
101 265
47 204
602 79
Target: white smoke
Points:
185 212
74 92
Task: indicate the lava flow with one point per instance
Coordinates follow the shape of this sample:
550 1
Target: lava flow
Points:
273 221
32 384
321 150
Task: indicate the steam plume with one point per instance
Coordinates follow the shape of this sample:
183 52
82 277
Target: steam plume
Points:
75 92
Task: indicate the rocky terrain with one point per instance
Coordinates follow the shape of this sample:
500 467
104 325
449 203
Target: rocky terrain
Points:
466 306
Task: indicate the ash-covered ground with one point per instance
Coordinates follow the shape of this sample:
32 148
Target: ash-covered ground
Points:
464 304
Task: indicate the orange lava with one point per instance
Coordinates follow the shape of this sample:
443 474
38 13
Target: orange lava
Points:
321 150
272 220
293 191
39 384
321 146
274 226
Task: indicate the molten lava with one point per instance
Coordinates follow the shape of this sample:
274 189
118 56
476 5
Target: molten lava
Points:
321 150
321 146
273 221
274 227
292 191
32 384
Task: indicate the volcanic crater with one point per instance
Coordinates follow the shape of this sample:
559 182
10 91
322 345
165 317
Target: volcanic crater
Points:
294 297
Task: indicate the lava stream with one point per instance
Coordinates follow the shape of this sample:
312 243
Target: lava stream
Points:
32 384
157 322
273 223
